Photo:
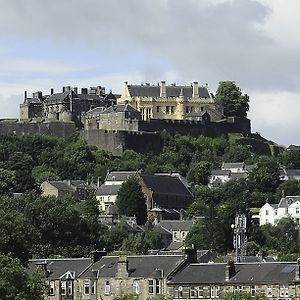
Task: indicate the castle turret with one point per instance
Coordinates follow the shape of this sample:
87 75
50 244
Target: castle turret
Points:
180 109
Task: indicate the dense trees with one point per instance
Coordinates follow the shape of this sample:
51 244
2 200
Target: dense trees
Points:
15 283
131 200
229 95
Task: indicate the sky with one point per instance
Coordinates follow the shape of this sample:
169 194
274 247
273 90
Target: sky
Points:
48 44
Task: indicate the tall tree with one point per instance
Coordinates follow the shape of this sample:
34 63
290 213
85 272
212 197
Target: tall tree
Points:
229 95
131 200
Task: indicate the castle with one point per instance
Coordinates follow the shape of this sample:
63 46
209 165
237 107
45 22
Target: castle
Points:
132 120
65 106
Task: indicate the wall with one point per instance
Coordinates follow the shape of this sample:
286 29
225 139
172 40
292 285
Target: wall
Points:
57 129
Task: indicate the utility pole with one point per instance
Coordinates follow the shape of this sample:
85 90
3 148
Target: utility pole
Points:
239 237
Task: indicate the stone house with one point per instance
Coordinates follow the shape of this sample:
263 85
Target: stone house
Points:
166 196
168 101
288 207
79 189
144 275
210 281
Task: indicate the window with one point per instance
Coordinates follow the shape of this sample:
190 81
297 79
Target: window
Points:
269 291
192 109
267 212
167 109
214 291
172 109
187 109
86 287
63 288
297 210
193 292
94 288
237 289
70 287
276 211
136 286
51 288
158 109
201 108
107 288
252 290
153 286
178 292
283 291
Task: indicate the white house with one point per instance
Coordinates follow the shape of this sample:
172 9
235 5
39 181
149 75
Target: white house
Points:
288 206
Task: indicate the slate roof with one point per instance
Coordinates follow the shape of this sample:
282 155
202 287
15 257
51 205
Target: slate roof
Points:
57 268
172 91
95 111
120 175
245 273
62 186
228 166
287 201
175 225
238 175
164 184
120 108
65 95
220 172
292 172
33 100
142 266
104 189
182 178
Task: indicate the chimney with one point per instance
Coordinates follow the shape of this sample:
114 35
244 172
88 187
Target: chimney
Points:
25 94
122 269
297 270
84 91
51 91
191 255
195 89
229 270
163 89
75 90
98 254
41 267
98 182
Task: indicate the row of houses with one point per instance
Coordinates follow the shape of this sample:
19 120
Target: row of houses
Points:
171 276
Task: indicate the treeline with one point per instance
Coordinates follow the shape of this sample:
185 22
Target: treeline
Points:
32 225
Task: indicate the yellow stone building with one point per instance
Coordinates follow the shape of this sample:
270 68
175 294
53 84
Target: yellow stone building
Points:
169 101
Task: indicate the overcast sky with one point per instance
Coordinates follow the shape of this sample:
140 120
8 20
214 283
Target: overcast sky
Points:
51 43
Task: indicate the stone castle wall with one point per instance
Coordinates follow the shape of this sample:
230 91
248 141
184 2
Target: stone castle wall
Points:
59 129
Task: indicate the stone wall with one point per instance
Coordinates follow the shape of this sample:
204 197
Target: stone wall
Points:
60 129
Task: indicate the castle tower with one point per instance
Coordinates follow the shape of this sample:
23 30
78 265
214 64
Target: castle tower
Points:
180 109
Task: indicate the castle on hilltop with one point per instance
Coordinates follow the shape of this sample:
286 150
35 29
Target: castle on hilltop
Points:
65 106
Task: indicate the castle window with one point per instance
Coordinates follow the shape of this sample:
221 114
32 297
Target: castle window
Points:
167 109
201 108
172 109
192 109
158 109
187 109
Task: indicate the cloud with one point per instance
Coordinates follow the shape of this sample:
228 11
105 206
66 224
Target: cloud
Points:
254 42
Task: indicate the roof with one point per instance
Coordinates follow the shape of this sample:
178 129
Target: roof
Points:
104 189
175 246
61 186
220 172
228 166
238 175
172 91
65 96
287 201
245 273
58 268
165 184
175 225
292 172
182 178
120 108
120 175
142 266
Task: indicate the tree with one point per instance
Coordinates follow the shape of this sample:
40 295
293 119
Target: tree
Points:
291 159
199 173
243 296
131 200
229 96
15 283
7 181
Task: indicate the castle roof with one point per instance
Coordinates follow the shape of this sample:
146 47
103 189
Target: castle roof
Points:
120 108
171 90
